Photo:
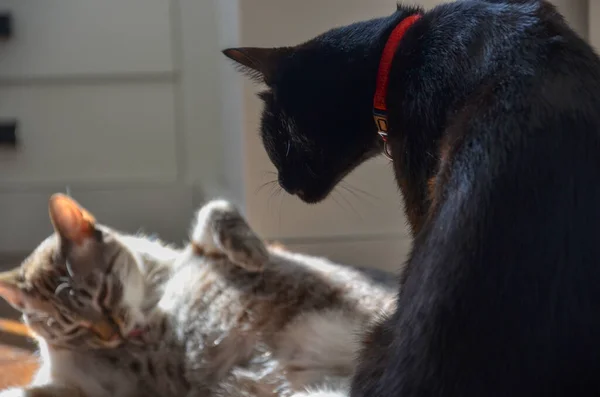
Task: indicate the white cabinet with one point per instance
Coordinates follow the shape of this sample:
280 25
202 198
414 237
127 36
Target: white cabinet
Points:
90 133
93 88
86 37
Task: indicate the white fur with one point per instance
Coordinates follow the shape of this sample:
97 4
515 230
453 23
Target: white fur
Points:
322 393
316 351
134 270
131 271
322 340
63 367
202 231
157 251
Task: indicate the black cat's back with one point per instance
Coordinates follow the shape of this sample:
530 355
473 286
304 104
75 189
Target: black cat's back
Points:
501 297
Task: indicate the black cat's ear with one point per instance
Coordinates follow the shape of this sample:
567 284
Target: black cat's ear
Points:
71 221
259 63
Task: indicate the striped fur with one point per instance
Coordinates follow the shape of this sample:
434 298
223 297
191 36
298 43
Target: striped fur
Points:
223 316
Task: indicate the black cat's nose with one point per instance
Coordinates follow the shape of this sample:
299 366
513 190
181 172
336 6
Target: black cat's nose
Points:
288 185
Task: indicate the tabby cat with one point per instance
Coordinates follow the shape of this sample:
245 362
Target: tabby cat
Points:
493 125
124 316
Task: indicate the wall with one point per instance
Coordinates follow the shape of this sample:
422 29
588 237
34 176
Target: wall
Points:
576 12
151 80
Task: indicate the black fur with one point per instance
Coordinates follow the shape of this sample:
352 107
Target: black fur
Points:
495 135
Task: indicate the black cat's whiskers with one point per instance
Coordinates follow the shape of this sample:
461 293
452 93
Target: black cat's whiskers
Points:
352 208
353 189
263 185
269 183
348 205
275 191
356 196
342 201
280 212
335 200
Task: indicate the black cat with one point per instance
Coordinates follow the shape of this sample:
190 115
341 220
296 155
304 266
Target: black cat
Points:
494 129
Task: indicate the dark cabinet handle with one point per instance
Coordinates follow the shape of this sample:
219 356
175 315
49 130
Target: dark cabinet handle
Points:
8 133
6 25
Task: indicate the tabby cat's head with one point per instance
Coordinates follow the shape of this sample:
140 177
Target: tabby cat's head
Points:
71 288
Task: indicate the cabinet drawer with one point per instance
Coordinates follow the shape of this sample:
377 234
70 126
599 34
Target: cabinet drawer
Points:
77 133
78 37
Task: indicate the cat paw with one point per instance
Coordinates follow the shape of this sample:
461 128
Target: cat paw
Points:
221 230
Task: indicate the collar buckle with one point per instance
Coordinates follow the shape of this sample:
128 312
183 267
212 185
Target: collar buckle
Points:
387 151
382 127
381 122
386 146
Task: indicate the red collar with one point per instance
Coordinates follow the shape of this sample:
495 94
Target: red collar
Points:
383 75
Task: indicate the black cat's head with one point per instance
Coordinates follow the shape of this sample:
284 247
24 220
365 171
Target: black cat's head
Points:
317 124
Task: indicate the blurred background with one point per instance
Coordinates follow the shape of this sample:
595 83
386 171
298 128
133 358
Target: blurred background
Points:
130 105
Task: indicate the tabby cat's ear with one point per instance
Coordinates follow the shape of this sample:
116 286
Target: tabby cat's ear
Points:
259 63
71 221
10 289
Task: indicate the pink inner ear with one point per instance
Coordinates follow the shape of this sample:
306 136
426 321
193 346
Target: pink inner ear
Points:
13 295
70 220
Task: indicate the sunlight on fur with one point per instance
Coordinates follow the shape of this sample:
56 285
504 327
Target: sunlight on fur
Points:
122 315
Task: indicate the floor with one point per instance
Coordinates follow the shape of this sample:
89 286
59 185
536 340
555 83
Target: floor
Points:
17 359
17 363
7 262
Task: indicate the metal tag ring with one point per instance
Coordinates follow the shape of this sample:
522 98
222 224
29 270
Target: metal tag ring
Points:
387 151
